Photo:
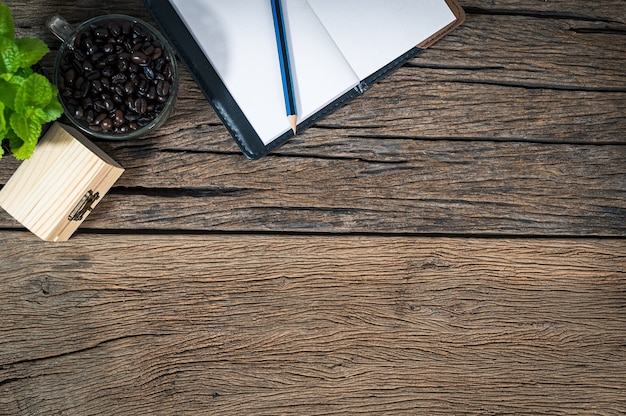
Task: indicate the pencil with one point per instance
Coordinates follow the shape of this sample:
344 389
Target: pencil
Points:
285 64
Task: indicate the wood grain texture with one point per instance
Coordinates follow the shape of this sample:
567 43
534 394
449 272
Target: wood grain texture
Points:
420 187
608 11
312 325
428 249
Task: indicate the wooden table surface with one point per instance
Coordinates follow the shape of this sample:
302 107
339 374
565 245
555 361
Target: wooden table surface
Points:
452 242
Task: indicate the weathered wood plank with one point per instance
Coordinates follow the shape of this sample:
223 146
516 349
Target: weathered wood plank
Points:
311 325
610 11
423 187
531 52
413 105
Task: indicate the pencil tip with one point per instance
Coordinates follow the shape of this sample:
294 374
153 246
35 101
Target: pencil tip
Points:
293 122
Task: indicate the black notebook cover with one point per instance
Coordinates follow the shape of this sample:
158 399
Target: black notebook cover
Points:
221 98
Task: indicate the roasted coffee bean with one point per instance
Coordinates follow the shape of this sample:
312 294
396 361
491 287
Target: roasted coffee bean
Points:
142 87
163 88
152 93
141 105
108 48
80 55
87 66
106 124
101 32
87 102
99 118
70 76
97 56
85 90
118 118
77 65
147 48
109 105
138 32
122 65
119 90
96 86
167 72
115 29
78 39
157 53
128 45
126 27
148 72
158 65
129 88
89 46
98 105
107 72
139 58
143 121
119 79
93 75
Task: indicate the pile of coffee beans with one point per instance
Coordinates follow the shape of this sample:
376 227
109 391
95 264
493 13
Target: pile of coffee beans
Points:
116 78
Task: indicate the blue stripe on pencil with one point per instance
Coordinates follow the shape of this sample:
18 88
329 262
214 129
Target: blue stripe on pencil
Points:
285 64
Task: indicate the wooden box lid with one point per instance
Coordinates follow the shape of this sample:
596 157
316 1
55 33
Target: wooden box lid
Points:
53 192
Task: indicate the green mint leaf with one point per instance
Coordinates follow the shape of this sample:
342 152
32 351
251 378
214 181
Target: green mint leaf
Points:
53 110
25 128
7 29
37 115
19 77
3 123
7 93
24 72
9 55
20 149
36 92
31 51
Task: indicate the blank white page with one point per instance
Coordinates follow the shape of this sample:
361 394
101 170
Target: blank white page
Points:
237 37
372 33
320 71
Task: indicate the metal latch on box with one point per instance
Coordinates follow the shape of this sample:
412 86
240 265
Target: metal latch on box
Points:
83 206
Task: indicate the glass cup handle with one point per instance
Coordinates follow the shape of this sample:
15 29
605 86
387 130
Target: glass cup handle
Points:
60 27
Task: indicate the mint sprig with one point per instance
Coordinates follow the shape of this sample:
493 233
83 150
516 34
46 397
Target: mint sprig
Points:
27 99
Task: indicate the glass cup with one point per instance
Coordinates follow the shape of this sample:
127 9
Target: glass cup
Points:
117 76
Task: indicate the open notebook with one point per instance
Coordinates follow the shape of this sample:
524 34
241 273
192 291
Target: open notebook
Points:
338 49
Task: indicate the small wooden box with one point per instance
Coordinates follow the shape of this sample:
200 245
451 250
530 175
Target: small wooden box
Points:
53 192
